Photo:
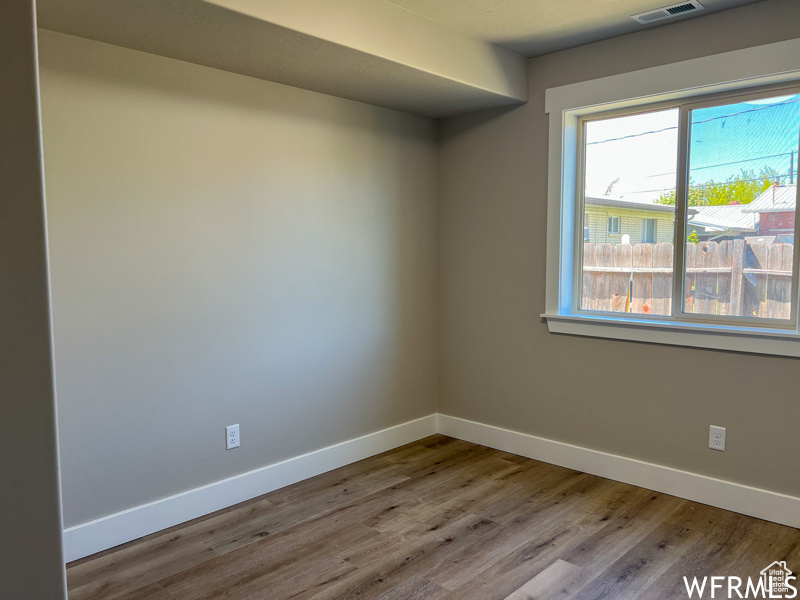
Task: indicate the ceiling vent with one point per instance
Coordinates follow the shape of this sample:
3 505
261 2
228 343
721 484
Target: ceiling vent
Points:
667 12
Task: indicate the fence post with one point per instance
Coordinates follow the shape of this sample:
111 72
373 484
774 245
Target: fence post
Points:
779 287
604 258
662 283
754 285
620 283
642 297
737 264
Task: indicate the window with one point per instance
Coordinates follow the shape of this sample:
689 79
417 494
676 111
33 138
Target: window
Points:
649 231
738 159
697 190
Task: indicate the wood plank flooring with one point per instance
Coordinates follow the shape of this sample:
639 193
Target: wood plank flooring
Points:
441 519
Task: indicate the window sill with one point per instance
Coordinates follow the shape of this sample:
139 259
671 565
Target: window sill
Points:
775 342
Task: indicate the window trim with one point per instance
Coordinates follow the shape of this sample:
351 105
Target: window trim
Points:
684 107
678 83
611 229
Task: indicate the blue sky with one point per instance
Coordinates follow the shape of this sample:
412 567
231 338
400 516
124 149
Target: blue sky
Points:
640 151
747 134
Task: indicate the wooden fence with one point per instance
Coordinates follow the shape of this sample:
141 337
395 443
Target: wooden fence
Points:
735 278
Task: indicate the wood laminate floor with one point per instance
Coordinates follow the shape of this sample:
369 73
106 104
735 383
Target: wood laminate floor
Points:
441 519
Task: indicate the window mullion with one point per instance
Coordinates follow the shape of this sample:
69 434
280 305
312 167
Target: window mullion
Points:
681 205
795 310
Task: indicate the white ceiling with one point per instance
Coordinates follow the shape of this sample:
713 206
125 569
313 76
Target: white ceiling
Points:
365 50
535 27
435 58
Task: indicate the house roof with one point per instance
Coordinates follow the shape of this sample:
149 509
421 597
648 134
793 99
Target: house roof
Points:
631 204
730 217
778 198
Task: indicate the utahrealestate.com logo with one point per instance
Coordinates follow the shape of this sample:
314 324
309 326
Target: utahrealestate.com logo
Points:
775 582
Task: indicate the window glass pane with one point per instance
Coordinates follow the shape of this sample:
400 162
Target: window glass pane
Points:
629 228
649 235
742 203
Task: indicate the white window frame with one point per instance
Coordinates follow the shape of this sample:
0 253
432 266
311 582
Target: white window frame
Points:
612 221
678 82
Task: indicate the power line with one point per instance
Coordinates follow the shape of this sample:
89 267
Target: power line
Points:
749 110
735 162
633 135
672 189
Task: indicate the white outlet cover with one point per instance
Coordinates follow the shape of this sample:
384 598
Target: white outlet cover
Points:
232 439
716 438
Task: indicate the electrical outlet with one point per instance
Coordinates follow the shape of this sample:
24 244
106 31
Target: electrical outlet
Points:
716 438
232 436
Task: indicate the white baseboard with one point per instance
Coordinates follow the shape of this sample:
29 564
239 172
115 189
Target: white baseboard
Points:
113 530
735 497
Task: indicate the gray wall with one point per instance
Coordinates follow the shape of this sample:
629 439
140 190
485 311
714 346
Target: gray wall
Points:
499 364
31 564
227 250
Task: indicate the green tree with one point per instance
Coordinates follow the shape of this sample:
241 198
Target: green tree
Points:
738 189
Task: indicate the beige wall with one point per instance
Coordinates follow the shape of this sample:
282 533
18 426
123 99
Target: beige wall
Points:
227 250
31 561
499 364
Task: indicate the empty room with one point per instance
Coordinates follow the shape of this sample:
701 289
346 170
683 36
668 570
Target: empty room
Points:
399 299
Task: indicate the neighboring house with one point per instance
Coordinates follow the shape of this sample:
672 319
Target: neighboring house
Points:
725 222
608 219
775 208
